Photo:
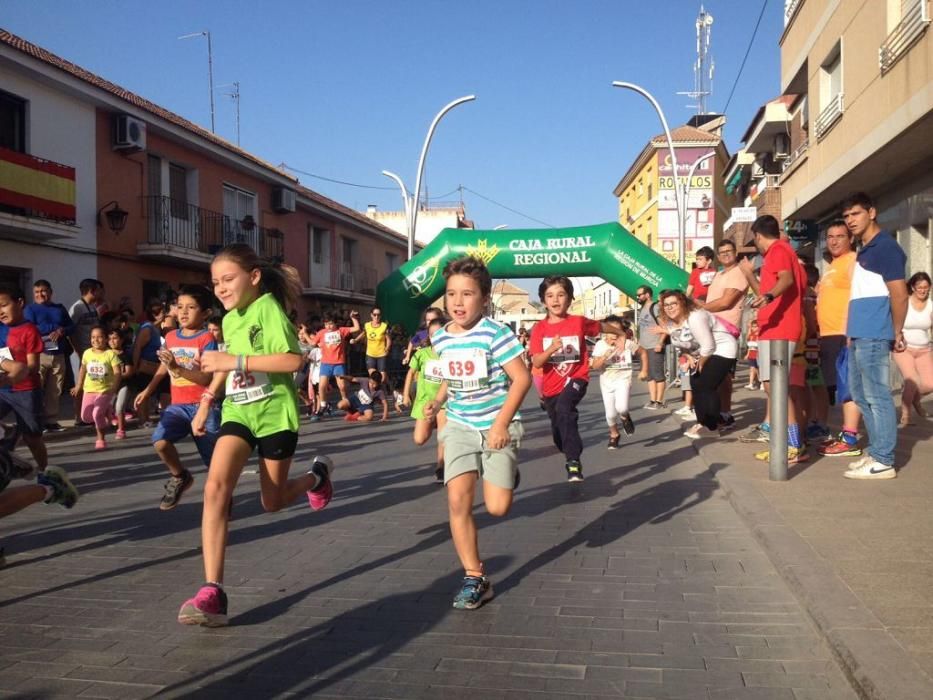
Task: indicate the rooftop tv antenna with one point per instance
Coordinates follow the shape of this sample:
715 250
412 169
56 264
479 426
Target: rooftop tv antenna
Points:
704 65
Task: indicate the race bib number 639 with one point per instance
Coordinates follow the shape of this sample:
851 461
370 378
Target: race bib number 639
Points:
465 370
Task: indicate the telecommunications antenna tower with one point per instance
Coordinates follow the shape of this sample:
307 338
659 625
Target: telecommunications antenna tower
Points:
704 65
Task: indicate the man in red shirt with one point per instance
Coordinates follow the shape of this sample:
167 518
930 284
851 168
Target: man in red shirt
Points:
779 301
21 341
558 344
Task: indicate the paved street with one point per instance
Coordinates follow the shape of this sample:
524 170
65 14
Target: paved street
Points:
643 582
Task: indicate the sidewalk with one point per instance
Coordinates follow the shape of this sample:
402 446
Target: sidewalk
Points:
857 554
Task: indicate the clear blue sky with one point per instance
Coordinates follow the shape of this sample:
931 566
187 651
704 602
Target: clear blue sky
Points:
347 89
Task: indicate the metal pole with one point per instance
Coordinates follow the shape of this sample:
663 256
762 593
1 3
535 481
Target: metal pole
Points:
780 368
424 152
670 146
210 75
407 208
686 197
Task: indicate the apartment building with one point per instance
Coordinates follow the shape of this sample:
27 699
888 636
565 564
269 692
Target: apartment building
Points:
859 80
153 196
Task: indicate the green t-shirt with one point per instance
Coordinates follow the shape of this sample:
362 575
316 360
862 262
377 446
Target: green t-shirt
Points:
429 383
266 403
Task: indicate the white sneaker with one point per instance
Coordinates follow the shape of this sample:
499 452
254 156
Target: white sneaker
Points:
685 412
860 462
872 470
694 433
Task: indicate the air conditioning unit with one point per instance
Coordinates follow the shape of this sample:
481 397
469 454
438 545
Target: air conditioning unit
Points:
283 199
781 147
758 168
129 133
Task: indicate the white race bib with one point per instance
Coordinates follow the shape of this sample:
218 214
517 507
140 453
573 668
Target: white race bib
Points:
248 387
434 371
332 338
96 370
569 352
364 397
6 354
465 370
619 359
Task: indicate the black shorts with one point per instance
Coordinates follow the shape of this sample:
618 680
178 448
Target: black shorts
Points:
26 406
278 446
378 363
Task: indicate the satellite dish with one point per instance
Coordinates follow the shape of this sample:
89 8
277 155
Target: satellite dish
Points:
708 20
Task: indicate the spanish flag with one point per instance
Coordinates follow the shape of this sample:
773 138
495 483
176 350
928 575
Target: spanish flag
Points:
41 185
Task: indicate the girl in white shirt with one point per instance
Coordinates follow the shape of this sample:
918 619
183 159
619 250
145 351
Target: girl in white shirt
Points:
613 355
916 362
710 351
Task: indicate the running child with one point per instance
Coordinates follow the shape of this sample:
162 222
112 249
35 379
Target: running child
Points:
260 410
359 406
20 341
613 355
333 343
751 340
425 369
558 345
486 381
180 359
97 384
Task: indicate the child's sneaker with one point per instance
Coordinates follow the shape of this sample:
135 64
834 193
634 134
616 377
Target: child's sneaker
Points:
574 470
208 608
685 412
100 445
121 435
351 417
63 491
174 488
474 591
839 448
627 425
613 442
760 433
320 495
795 455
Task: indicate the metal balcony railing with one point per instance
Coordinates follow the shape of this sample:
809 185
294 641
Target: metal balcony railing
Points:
911 27
176 223
831 113
357 278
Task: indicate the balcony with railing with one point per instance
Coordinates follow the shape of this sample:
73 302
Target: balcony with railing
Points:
913 24
351 282
37 197
179 232
831 114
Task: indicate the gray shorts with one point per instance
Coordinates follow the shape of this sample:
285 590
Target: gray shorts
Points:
764 358
830 346
465 451
655 365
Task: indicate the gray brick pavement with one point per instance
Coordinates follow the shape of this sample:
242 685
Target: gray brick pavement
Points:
641 582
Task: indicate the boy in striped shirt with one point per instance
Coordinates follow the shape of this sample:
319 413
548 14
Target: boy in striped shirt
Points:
485 381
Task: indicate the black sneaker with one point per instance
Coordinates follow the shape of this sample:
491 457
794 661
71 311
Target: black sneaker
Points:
613 442
174 488
726 424
574 470
54 428
628 425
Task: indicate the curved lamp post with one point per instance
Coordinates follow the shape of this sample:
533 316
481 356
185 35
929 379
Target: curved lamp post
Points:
681 212
413 220
406 202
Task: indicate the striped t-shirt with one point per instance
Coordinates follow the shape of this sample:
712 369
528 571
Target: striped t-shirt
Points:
879 262
472 365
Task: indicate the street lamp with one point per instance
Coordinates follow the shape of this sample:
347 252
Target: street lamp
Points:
681 212
686 197
210 67
406 201
500 227
424 151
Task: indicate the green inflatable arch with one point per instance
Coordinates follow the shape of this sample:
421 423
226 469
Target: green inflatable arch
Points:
605 250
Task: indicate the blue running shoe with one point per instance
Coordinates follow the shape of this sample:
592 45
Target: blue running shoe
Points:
474 591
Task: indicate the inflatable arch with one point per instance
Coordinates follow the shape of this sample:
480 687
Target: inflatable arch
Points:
605 250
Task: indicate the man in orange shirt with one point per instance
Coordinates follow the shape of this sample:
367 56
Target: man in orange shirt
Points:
832 306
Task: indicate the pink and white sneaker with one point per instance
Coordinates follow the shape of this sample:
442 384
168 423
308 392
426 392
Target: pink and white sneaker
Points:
320 495
208 608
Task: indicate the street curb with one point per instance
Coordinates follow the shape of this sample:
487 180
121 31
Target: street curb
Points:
873 661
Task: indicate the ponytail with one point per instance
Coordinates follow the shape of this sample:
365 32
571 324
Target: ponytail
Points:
278 279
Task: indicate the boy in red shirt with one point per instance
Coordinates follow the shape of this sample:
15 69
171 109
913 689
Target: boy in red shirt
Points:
20 341
702 275
558 345
180 358
333 343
